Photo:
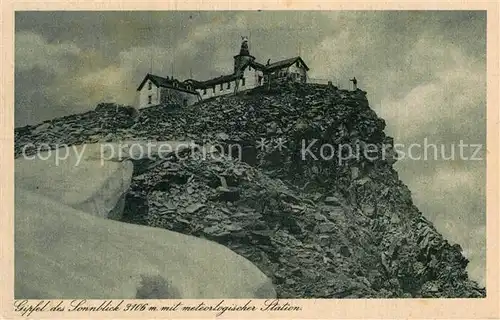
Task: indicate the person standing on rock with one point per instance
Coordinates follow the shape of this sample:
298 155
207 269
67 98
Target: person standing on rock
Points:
354 83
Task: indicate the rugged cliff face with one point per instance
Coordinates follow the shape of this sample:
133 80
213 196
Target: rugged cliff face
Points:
311 199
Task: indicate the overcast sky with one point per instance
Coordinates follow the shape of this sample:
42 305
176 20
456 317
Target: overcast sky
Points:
425 74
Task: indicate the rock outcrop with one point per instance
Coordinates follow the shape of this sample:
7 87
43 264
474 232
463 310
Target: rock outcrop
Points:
324 223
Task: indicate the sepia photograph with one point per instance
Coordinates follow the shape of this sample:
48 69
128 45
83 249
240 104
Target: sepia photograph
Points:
257 154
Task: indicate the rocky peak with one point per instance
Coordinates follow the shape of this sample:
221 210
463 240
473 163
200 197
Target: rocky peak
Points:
325 224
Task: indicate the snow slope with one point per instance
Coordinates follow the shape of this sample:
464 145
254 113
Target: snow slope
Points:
65 248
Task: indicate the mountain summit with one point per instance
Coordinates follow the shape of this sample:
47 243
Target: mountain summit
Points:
300 182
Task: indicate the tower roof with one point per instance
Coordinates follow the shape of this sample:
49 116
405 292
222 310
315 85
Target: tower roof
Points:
244 47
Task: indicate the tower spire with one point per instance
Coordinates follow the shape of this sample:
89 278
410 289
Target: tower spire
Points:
244 46
243 57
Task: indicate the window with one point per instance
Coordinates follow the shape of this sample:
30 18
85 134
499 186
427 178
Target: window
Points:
205 91
249 68
229 85
150 97
221 86
150 85
213 88
242 81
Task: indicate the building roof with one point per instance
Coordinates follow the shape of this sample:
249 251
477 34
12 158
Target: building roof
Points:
276 65
256 65
183 86
165 83
285 63
212 82
193 82
221 79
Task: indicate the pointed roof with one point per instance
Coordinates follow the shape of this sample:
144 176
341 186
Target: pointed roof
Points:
166 83
275 65
286 63
256 65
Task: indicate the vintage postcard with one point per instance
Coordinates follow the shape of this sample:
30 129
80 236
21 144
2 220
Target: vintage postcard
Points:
249 160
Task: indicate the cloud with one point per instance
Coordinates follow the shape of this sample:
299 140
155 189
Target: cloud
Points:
33 51
453 94
117 82
453 197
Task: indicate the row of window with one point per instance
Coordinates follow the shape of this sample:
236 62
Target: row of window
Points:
189 87
228 86
284 73
221 86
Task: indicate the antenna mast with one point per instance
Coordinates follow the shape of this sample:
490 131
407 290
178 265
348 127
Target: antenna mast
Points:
298 40
171 40
151 37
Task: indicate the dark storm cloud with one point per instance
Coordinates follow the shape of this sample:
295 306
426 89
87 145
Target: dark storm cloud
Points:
425 73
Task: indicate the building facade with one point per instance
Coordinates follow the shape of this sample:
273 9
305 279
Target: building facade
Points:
155 90
247 74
